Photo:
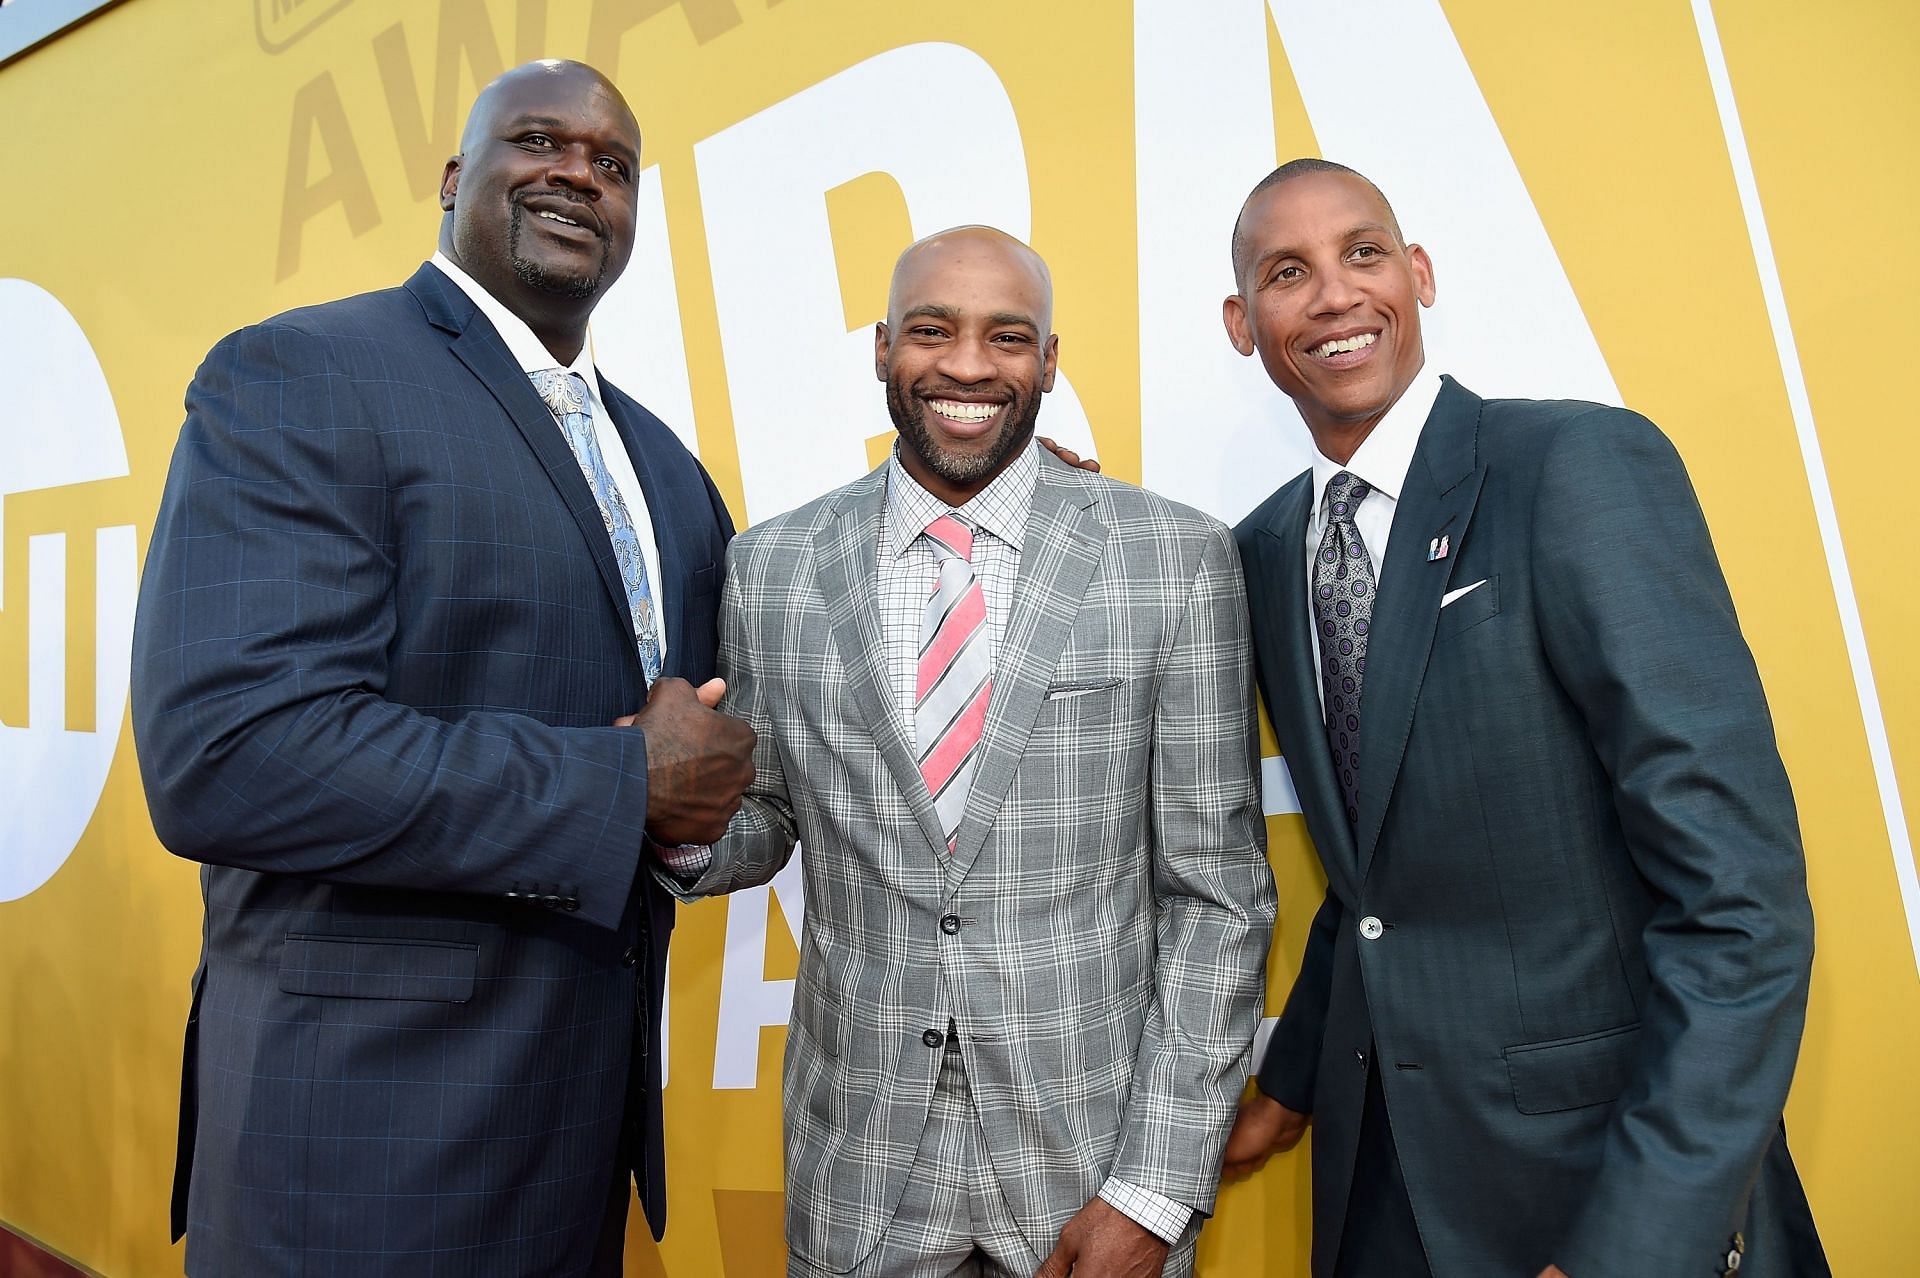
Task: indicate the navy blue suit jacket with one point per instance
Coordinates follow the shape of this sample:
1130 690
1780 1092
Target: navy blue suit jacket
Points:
1571 929
380 646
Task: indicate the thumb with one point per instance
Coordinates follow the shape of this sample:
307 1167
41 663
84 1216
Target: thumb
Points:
710 692
1057 1265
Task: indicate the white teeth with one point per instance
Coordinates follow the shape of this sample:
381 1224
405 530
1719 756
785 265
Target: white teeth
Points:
963 412
1342 345
555 217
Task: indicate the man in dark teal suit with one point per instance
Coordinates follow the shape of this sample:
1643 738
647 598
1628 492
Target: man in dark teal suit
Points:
1548 1013
413 561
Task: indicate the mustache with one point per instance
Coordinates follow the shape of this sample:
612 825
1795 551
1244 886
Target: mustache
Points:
955 390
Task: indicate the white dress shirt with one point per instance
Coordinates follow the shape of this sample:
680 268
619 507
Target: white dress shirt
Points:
1382 461
533 356
908 572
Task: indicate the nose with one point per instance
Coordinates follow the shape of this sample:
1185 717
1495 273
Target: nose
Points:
966 360
1335 293
573 167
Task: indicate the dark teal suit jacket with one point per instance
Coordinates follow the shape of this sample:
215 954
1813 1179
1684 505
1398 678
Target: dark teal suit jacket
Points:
1589 981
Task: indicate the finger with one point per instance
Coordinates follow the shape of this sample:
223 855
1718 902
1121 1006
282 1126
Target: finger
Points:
664 686
626 721
710 692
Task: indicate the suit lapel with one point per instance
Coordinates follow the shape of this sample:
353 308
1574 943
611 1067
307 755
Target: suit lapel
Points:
1063 547
1442 486
1298 721
846 568
480 348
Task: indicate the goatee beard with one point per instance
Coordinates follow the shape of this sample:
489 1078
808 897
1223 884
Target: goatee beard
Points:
534 275
959 469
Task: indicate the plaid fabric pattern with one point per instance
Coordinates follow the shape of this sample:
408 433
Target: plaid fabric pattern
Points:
1099 934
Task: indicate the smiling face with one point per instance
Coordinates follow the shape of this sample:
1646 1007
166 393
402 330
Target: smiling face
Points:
1330 297
966 355
540 201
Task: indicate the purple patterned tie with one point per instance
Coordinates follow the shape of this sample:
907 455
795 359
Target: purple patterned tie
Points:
1343 609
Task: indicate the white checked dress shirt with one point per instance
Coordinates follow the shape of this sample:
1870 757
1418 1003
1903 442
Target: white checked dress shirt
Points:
908 571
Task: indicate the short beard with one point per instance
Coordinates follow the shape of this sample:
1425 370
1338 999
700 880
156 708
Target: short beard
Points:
962 470
536 276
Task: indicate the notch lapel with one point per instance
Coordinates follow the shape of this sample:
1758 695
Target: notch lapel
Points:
846 549
1298 720
1063 547
1442 486
481 349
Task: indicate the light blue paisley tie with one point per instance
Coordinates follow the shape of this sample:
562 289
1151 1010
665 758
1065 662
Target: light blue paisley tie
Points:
566 395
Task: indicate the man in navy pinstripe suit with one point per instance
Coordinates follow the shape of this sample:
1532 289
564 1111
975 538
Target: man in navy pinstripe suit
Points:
393 605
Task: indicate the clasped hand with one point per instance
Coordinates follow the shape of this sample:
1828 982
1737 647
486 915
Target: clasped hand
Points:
699 762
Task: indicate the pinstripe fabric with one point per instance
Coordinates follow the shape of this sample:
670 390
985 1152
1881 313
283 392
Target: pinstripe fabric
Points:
375 662
1107 905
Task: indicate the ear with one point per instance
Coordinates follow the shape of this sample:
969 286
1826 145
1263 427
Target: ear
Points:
1422 265
1233 313
882 341
1051 349
449 184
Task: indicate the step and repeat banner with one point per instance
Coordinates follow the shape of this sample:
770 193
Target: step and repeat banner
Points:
1703 210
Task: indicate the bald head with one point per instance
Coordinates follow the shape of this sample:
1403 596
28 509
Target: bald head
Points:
972 249
543 78
1288 172
539 203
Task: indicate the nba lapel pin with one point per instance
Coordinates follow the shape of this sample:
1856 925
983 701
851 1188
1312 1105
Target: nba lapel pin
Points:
1437 548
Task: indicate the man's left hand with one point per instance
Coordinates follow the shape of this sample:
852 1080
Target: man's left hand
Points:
1553 1271
1104 1242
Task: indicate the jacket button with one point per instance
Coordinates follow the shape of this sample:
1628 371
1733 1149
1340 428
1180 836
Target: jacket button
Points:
950 924
631 958
1372 929
933 1038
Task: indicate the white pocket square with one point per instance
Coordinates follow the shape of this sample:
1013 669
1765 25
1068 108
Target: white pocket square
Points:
1461 593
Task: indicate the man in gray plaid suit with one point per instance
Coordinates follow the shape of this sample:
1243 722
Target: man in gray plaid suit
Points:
1006 705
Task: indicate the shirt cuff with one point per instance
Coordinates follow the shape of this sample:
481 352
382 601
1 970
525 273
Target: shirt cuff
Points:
685 860
1155 1213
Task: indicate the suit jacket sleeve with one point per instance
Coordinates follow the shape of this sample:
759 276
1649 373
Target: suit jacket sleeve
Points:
1214 891
1640 629
761 837
1292 1061
266 611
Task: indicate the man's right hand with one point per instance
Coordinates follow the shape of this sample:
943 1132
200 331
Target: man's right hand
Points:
699 762
1263 1127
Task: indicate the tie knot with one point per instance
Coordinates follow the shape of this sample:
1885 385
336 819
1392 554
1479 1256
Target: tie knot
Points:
950 535
563 390
1345 492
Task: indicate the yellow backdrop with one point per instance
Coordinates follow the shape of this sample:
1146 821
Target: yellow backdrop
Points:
1703 210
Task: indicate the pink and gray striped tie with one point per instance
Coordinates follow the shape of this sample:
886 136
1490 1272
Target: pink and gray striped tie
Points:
955 675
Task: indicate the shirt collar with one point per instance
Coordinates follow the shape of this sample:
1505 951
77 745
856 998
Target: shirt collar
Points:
527 350
1386 454
1000 508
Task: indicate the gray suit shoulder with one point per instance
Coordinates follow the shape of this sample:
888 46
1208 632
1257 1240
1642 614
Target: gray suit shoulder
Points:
1120 505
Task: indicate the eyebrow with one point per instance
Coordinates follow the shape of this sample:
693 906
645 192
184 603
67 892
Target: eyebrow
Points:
1352 233
555 124
940 310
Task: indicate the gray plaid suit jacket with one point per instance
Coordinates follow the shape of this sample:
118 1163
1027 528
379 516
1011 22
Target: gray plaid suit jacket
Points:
1107 910
381 643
